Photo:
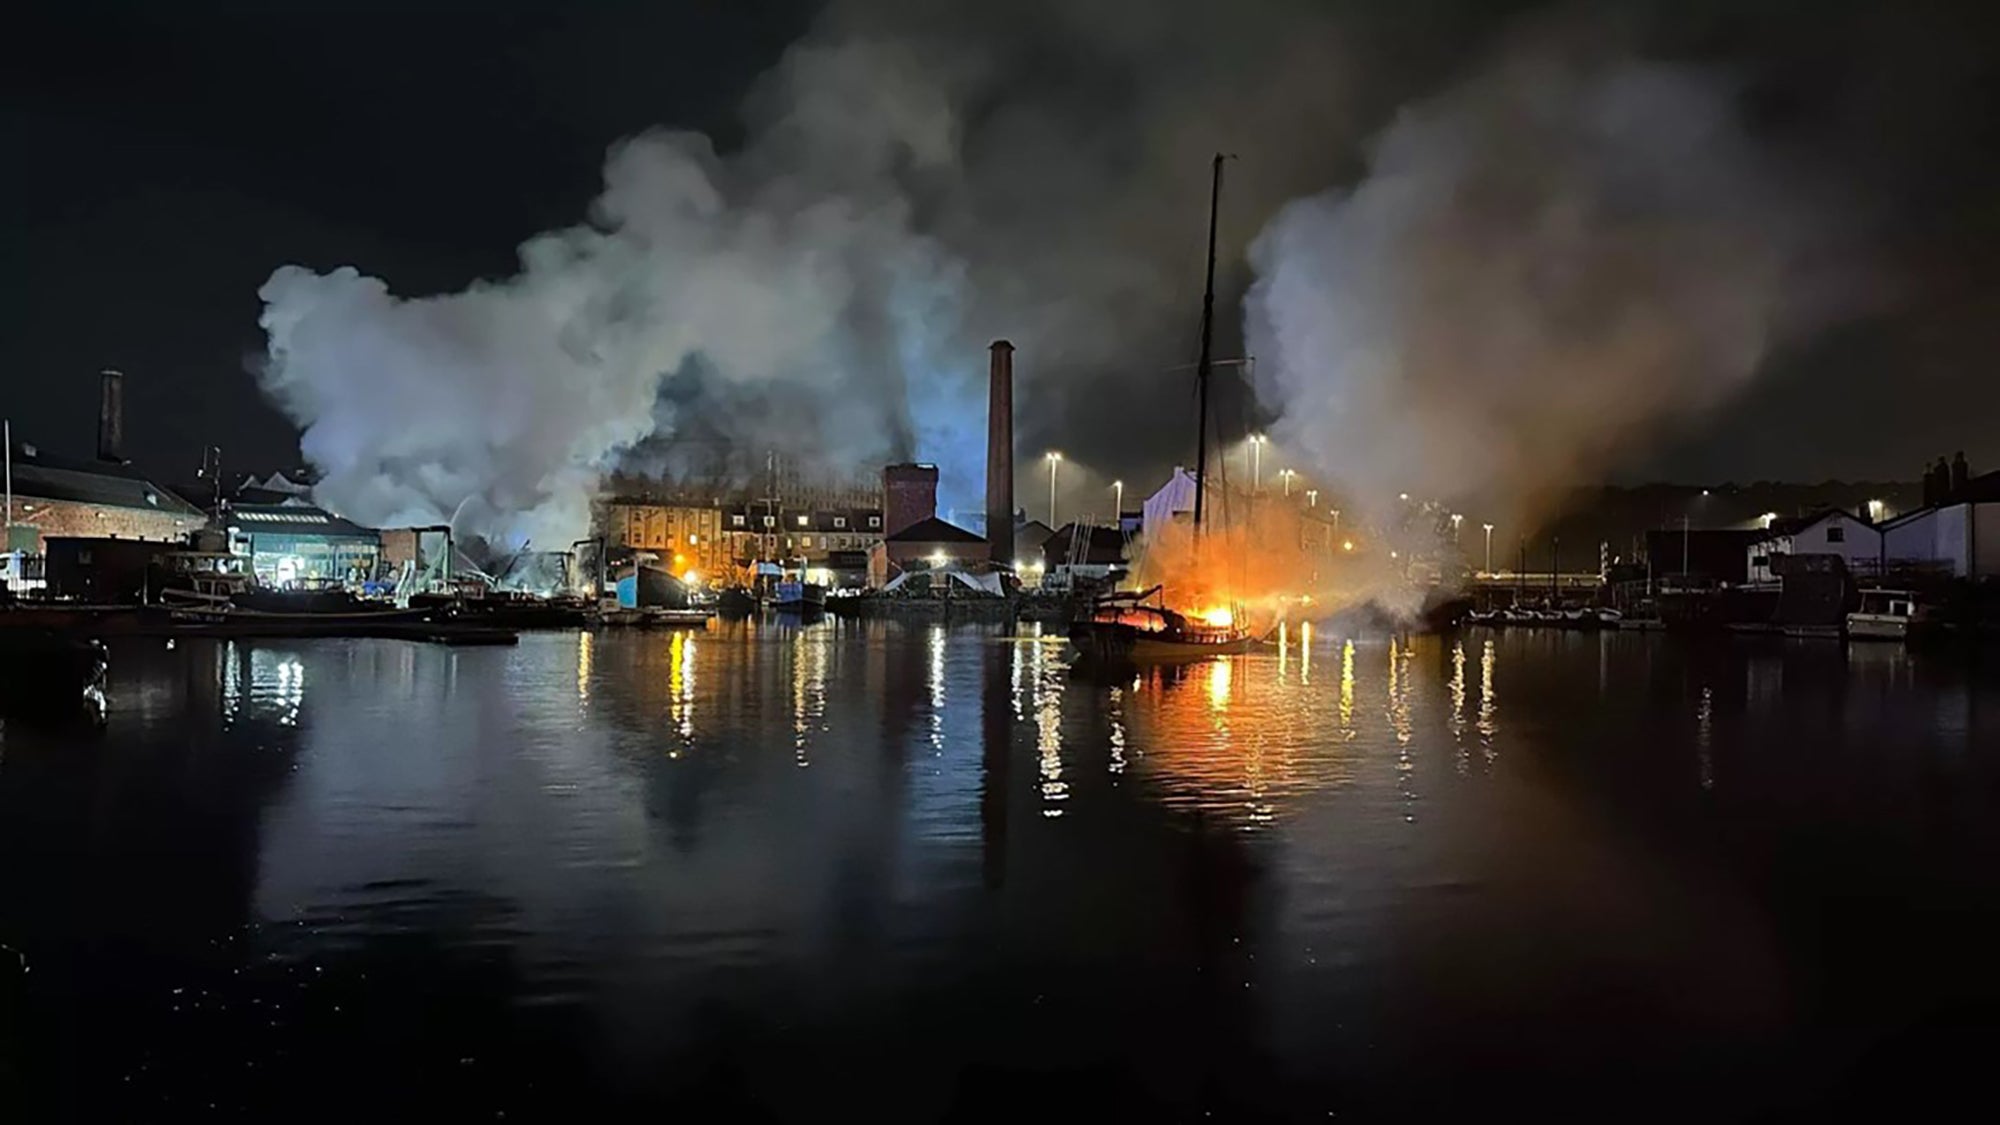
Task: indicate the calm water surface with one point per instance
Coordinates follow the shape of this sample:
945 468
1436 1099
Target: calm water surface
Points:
923 872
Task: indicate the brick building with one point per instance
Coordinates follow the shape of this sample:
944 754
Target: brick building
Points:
90 500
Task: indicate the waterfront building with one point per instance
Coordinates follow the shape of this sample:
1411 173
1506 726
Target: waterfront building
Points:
1828 532
55 496
294 543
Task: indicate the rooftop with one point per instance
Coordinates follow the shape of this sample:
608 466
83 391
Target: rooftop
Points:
935 530
109 484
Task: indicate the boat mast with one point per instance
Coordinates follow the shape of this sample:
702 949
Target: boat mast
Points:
1207 362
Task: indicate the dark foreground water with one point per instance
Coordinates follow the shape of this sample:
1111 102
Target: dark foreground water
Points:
911 872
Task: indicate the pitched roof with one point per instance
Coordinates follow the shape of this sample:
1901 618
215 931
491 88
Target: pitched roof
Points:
104 483
934 530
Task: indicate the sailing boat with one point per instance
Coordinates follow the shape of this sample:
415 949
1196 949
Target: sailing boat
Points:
1122 627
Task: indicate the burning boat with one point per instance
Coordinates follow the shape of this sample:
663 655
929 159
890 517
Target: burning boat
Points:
1122 628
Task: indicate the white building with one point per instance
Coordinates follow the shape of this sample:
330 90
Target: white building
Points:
1831 532
1961 539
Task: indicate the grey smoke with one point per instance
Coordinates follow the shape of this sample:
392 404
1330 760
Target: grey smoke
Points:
1536 264
1542 266
791 269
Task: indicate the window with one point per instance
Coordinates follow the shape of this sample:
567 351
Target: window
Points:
839 522
874 521
693 540
805 541
1760 560
736 521
802 521
770 521
1836 534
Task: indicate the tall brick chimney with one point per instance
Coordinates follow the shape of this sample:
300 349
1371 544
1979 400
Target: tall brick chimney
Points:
110 416
1000 452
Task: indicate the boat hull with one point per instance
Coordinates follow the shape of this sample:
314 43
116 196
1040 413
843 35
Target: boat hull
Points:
1125 644
1878 627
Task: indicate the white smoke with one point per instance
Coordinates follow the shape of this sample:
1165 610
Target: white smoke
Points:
1541 266
791 269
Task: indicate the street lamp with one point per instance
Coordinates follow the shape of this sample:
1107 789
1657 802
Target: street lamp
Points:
1403 496
1055 460
1489 546
1456 520
1875 508
1288 475
1118 505
1312 497
1336 520
1256 463
1768 518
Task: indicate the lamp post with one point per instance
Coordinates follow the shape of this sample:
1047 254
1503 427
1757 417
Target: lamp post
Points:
1312 497
1288 475
1256 463
1489 546
1456 520
1118 504
1336 520
1055 460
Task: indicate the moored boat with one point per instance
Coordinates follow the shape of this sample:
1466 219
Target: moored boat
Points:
1122 628
1885 615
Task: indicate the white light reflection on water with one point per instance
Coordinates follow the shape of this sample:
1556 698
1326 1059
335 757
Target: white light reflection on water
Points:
584 640
1489 704
1306 652
1284 654
1704 733
1115 713
936 684
1400 675
1462 756
1047 676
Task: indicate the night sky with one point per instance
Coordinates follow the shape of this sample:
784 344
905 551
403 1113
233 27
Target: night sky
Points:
162 160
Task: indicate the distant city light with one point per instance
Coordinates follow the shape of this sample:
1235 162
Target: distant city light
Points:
1347 545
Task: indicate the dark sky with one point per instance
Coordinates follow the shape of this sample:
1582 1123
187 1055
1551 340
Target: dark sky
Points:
163 159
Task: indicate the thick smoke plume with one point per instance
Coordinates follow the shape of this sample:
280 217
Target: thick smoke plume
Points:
1537 266
1542 267
791 271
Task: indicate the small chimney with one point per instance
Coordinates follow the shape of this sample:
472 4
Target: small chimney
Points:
111 416
1000 452
1961 475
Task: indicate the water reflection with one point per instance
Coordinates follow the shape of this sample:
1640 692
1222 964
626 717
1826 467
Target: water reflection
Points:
1489 704
809 657
494 854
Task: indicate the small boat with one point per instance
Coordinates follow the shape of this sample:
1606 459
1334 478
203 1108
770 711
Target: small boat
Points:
1885 615
1485 617
1609 618
1120 628
798 596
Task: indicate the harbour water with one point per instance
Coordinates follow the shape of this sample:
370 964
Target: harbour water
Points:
916 871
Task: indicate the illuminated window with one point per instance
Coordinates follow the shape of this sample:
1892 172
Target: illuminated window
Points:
874 521
736 521
1836 534
802 521
693 540
805 541
839 522
770 521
